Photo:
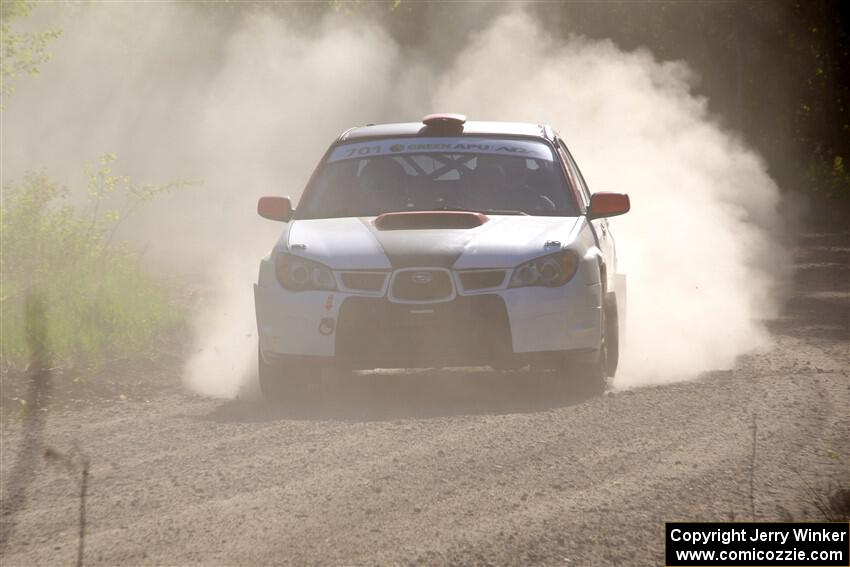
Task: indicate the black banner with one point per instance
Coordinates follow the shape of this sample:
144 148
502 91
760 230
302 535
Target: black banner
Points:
758 544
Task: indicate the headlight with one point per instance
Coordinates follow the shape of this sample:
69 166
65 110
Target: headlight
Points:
548 271
298 274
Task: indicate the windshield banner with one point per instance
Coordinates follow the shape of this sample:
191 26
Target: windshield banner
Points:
400 146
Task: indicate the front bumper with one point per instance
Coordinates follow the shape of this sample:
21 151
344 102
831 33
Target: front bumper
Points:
474 329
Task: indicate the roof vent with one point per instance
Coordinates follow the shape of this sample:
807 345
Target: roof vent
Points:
419 220
445 120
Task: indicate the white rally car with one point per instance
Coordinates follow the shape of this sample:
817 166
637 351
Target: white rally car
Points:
441 243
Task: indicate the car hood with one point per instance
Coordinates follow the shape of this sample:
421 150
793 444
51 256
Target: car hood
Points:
356 244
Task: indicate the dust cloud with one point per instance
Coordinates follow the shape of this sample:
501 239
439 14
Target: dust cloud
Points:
280 98
250 103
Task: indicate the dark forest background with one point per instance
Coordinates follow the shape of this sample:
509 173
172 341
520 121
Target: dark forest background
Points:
777 72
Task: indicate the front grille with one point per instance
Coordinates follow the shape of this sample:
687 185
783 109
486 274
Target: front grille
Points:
421 285
481 279
466 331
363 281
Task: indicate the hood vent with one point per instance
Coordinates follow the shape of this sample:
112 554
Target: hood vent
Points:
420 220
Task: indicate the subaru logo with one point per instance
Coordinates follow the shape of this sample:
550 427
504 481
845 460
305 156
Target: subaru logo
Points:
422 277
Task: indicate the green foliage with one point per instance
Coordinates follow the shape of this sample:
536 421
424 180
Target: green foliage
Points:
830 179
838 181
21 53
99 302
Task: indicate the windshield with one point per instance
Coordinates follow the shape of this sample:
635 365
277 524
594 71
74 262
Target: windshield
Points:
496 175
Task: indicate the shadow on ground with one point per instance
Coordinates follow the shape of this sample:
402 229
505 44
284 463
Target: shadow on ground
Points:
389 395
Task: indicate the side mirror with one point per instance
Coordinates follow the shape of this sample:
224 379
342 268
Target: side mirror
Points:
275 208
604 205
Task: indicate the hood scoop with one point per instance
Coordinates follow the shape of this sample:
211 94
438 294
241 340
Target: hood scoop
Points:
419 220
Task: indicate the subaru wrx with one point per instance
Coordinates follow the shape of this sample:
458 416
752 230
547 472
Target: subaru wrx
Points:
440 243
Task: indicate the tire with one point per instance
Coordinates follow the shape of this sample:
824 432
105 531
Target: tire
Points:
587 377
587 373
283 381
612 335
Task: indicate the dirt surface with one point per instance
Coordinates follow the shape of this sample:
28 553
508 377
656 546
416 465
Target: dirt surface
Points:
443 467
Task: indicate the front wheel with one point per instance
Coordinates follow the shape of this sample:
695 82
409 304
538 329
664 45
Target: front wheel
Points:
587 375
588 371
612 335
283 380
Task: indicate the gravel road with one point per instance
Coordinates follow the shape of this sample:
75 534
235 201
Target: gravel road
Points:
432 467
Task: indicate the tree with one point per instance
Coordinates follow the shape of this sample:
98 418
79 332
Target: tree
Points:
23 52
